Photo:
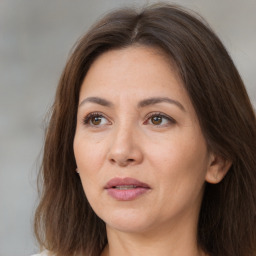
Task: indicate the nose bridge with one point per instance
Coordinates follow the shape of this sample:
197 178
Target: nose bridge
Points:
124 147
123 137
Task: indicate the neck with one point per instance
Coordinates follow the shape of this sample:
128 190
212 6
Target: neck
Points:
164 241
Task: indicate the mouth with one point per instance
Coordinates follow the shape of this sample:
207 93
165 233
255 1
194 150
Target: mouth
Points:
126 189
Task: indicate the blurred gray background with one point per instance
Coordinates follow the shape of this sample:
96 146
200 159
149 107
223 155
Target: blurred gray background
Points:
35 39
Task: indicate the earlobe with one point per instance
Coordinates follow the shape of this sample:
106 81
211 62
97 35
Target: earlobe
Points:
217 169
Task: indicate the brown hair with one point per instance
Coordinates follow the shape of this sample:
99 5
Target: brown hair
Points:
65 224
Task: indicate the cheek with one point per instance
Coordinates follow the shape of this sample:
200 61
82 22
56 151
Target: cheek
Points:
180 151
181 163
89 159
88 154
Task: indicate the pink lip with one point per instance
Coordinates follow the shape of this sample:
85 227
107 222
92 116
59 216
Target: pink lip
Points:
126 194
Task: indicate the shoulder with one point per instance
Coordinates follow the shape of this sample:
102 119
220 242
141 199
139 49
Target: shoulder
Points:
44 253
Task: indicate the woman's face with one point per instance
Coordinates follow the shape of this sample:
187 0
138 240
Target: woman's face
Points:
138 145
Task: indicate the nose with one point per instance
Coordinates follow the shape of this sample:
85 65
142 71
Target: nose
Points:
125 149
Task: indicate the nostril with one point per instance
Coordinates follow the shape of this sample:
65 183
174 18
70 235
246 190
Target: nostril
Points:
112 161
122 162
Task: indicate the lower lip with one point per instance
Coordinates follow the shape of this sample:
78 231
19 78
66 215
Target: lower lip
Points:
127 194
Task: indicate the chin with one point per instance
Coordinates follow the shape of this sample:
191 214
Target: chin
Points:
132 221
128 227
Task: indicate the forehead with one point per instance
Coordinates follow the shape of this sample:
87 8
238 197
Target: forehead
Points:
131 68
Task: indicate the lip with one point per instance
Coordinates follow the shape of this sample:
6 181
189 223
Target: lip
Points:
137 188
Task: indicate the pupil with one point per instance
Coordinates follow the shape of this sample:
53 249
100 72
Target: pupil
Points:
96 120
156 120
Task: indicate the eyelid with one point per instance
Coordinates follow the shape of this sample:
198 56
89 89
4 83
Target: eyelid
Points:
170 119
87 118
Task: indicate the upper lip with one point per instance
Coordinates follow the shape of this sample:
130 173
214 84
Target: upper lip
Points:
124 182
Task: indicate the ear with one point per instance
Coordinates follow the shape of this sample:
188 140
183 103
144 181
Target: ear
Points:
217 168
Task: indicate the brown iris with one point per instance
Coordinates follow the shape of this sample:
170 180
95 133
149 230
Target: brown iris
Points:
156 120
96 120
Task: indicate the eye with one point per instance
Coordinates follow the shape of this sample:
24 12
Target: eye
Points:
95 119
159 119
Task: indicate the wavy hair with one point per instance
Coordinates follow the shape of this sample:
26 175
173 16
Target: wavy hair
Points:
65 224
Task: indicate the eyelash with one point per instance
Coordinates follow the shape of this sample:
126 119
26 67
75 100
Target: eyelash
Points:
88 118
163 116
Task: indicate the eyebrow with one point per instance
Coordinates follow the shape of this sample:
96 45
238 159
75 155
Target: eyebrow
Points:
141 104
155 100
97 100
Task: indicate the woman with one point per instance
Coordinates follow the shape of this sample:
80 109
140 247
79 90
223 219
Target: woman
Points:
150 149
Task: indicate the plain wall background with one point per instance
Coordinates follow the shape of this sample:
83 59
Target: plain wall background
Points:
35 39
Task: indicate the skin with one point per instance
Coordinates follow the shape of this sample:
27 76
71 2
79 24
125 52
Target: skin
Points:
169 154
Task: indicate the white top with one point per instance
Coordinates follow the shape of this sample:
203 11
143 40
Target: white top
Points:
41 254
